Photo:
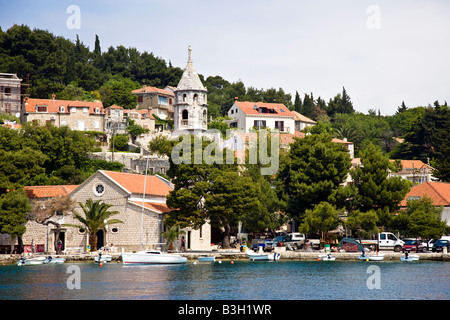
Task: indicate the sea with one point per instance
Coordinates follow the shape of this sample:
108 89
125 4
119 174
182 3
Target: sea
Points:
239 280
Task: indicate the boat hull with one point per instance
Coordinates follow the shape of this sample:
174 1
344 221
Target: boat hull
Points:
54 261
410 258
327 258
31 261
206 259
264 256
103 258
152 258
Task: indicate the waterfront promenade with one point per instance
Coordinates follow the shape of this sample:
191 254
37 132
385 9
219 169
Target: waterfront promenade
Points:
235 254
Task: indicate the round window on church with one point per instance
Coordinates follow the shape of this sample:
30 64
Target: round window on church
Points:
99 189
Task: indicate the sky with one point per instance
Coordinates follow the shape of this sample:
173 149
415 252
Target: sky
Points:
382 52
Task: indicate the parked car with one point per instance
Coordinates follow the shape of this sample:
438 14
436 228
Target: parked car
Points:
413 245
440 244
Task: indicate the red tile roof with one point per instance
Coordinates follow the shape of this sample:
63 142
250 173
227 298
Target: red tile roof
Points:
148 89
409 164
159 207
300 117
439 192
134 183
252 108
34 192
53 106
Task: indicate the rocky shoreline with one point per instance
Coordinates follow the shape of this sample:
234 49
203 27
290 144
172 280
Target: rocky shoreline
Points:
237 255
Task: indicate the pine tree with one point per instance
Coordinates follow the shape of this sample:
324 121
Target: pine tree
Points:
298 102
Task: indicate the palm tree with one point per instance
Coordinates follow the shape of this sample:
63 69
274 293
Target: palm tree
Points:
95 219
171 234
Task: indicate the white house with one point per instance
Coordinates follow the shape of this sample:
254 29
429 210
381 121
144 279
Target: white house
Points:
247 115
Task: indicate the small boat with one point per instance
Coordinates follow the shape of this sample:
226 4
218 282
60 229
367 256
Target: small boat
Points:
152 257
326 257
207 259
50 259
30 261
377 257
103 258
256 256
410 257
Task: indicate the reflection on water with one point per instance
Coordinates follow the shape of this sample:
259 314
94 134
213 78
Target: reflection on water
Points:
243 280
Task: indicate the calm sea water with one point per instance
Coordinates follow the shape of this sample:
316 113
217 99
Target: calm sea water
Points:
243 280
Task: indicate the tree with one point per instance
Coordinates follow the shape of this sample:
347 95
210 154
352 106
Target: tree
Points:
374 188
315 167
424 219
322 218
298 103
14 207
96 215
44 212
362 221
171 234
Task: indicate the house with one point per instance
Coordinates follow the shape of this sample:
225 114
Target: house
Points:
302 122
10 94
157 101
247 115
143 117
115 122
413 170
439 192
141 202
77 115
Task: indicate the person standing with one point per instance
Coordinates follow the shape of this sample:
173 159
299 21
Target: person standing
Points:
183 244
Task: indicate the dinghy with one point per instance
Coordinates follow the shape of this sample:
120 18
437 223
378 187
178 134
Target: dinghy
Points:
409 257
30 261
326 257
50 259
268 256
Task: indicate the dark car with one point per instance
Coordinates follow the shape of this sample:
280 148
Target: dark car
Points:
440 244
412 245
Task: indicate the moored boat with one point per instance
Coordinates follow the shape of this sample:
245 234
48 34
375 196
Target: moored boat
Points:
207 259
103 258
268 256
152 257
30 261
410 257
50 259
326 257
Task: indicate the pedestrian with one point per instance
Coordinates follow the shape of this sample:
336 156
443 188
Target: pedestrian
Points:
33 247
59 246
183 244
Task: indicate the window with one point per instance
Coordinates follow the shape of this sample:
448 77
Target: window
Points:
73 110
259 124
184 97
140 98
41 108
279 125
62 109
163 100
7 91
196 98
96 124
232 111
97 110
63 123
85 110
185 115
99 189
114 230
8 107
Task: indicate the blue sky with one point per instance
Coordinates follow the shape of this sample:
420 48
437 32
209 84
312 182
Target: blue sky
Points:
383 52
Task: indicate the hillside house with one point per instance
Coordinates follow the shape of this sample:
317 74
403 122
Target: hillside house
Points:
157 101
247 115
10 94
439 192
77 115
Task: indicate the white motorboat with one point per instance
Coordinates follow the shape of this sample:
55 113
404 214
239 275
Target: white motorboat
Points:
257 256
103 258
152 257
30 261
409 258
50 259
326 257
207 259
377 257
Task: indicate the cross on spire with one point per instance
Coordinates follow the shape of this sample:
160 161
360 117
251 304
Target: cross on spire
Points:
189 54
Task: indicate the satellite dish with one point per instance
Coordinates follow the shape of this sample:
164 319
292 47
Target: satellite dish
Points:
18 115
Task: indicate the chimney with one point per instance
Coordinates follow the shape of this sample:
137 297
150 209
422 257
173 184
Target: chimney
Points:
144 88
53 97
236 99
